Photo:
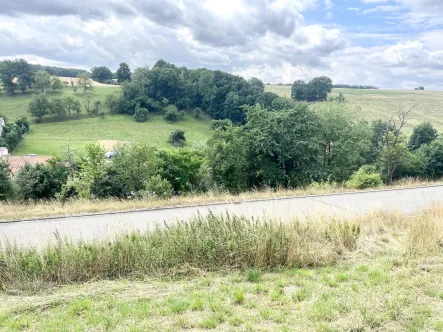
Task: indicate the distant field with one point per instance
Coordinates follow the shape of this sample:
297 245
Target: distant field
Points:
380 104
50 138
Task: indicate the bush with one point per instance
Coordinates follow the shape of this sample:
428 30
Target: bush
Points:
37 182
182 168
6 190
172 114
177 137
141 114
158 187
365 177
197 113
220 124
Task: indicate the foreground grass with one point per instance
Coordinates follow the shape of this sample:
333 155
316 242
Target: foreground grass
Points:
381 104
22 211
391 281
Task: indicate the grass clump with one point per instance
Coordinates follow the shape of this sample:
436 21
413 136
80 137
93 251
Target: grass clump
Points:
210 243
253 275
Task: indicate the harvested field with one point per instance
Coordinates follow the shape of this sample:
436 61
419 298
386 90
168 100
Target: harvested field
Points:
94 83
16 162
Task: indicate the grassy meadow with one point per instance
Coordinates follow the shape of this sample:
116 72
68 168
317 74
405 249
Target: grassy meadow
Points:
379 272
51 136
381 104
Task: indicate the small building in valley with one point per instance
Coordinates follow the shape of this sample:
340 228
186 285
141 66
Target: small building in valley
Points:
3 152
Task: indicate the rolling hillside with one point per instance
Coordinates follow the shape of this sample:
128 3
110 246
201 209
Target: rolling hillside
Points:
50 138
380 104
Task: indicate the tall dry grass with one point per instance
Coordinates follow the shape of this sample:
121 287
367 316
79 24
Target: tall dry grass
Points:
210 243
20 211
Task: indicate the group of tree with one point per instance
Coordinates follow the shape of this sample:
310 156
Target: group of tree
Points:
315 90
289 148
13 133
41 106
348 86
44 81
58 71
103 74
219 94
420 88
19 75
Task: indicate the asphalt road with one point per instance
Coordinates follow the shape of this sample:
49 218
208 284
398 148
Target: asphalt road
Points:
41 232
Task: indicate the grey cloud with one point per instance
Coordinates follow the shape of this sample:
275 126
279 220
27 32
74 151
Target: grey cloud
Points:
81 8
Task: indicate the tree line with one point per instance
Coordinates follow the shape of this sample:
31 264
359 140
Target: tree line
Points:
348 86
13 132
288 148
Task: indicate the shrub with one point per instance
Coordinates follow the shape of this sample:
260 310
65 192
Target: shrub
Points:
197 113
141 114
220 124
36 182
158 187
172 114
182 167
365 177
177 137
6 190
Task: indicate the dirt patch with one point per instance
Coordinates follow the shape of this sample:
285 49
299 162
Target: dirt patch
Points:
16 162
94 83
109 145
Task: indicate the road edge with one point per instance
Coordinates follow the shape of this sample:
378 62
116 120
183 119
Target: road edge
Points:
110 213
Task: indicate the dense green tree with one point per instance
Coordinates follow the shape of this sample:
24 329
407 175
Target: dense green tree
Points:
6 189
177 137
72 105
298 90
434 155
39 106
101 74
136 164
38 182
285 144
16 74
7 76
181 168
220 124
227 159
111 102
58 107
123 73
346 141
11 135
23 123
56 83
316 90
42 80
172 114
141 114
266 99
280 103
422 134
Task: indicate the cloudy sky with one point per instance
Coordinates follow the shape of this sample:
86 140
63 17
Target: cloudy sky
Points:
388 43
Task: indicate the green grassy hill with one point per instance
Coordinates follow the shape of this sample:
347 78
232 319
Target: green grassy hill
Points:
381 104
50 138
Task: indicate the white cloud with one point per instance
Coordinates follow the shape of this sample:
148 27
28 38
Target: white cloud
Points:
267 39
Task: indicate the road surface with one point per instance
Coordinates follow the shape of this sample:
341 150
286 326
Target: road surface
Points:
105 226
